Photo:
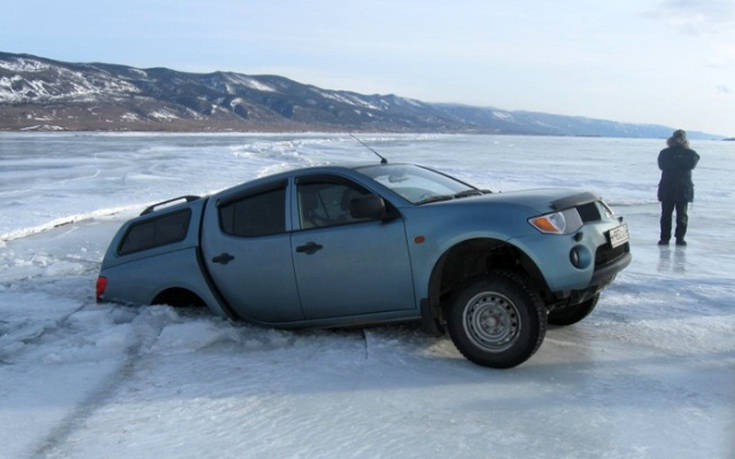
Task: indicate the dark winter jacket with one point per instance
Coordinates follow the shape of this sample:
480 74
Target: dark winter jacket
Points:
676 164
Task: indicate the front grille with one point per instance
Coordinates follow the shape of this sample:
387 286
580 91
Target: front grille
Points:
606 254
589 212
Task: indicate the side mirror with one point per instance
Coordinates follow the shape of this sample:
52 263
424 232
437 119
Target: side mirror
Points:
372 207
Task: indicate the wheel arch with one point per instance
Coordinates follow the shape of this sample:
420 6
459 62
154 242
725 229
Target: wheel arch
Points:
471 258
178 296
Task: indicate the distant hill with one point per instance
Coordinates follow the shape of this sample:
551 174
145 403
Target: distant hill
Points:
42 94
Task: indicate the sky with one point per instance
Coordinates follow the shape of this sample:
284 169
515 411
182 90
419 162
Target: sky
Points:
668 62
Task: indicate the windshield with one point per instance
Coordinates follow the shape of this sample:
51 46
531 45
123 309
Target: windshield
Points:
415 183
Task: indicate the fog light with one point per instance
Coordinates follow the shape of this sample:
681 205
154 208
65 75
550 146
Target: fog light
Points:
580 257
574 257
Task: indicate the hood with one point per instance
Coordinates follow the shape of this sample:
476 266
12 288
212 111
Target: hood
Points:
542 200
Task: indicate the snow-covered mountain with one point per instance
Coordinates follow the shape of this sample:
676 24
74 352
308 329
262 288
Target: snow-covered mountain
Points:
42 94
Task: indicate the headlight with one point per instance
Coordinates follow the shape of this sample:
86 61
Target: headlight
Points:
564 222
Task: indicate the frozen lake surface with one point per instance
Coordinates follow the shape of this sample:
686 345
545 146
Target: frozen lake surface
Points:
650 373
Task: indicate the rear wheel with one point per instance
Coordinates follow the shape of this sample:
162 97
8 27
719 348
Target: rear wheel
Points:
572 314
497 321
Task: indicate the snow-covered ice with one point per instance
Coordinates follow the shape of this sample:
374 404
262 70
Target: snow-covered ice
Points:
650 373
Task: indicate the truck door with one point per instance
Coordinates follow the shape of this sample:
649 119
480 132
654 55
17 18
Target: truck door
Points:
247 251
347 266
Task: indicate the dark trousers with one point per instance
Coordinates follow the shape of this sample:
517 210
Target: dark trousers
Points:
667 208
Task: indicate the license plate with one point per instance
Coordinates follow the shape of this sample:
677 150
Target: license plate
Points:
619 235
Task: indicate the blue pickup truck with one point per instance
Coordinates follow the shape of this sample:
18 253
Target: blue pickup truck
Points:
371 244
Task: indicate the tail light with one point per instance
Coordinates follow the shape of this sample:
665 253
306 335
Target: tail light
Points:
101 286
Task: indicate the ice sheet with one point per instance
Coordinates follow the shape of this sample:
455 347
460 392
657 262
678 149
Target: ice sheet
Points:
650 373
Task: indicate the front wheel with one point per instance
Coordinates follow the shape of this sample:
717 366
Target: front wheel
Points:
497 321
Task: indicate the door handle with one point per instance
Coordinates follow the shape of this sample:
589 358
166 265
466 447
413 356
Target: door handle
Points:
223 258
309 248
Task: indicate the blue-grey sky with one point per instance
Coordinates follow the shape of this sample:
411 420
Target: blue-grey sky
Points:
659 61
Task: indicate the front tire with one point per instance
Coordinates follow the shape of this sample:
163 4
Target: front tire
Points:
498 321
572 314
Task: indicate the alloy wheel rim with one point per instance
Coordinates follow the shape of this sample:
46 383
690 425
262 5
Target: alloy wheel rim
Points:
492 321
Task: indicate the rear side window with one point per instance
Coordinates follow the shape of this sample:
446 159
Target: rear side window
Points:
156 232
255 215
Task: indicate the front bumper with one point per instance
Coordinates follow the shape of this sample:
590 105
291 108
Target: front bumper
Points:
601 278
605 274
597 262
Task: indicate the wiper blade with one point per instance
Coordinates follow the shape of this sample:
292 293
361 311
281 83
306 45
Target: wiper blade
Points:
440 197
447 197
470 192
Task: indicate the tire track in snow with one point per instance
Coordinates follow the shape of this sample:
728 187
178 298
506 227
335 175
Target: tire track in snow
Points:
99 396
89 405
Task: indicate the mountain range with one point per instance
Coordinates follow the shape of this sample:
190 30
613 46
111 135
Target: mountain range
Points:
37 93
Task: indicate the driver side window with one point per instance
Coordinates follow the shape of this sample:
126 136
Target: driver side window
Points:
326 202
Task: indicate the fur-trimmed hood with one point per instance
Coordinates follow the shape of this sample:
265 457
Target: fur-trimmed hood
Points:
679 137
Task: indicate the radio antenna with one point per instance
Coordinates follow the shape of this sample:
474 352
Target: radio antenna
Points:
382 158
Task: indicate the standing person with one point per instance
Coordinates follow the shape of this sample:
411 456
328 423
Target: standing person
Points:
676 190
